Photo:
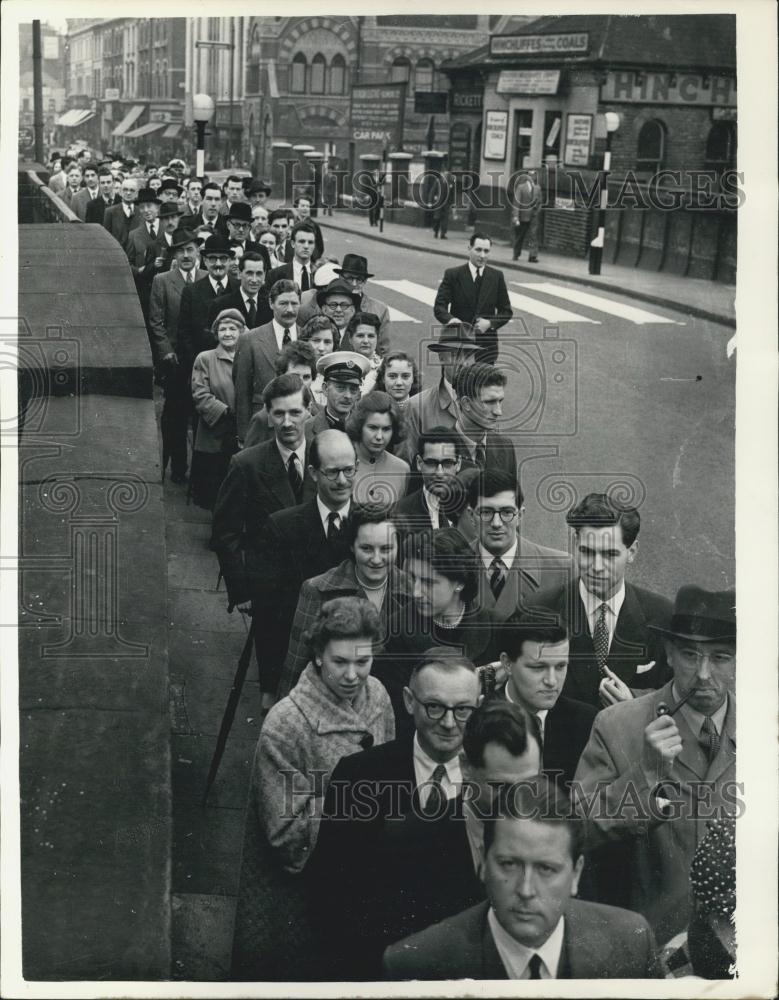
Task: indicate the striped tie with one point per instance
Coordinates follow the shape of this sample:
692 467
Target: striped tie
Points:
709 738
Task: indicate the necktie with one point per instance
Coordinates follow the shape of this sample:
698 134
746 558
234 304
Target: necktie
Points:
478 280
480 455
251 316
535 724
296 480
435 795
534 966
152 229
709 738
286 339
305 284
600 638
333 526
219 288
497 577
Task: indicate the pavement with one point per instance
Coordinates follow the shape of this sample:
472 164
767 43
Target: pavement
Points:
709 300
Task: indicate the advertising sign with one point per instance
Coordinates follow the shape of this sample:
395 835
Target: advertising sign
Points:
467 100
528 81
578 130
495 132
669 88
376 115
509 45
431 102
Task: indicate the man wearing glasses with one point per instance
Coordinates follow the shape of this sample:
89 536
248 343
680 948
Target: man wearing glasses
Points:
392 854
338 302
436 503
297 543
342 373
513 569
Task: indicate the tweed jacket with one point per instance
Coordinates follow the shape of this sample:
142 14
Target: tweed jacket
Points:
340 581
433 407
611 771
213 394
118 225
82 199
164 305
255 366
533 568
302 739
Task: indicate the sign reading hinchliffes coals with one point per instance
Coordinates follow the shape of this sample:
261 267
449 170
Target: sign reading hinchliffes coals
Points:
376 116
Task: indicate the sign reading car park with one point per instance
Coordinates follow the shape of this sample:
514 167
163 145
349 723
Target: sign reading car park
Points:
377 115
528 45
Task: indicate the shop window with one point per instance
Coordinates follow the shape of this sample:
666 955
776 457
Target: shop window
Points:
400 72
650 151
318 69
721 146
338 75
552 129
298 81
424 75
523 138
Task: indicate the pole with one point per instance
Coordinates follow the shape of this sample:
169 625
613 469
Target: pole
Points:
230 94
200 167
596 247
37 91
382 180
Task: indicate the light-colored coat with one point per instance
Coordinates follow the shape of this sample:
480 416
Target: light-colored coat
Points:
255 366
433 407
80 200
303 738
212 393
534 568
661 849
164 307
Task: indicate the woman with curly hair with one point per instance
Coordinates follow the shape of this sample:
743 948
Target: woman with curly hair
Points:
398 376
375 427
322 334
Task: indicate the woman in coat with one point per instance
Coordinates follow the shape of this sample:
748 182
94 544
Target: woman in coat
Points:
214 397
370 572
375 427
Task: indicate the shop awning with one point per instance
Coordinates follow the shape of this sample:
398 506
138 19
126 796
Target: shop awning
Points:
76 116
132 115
146 129
172 130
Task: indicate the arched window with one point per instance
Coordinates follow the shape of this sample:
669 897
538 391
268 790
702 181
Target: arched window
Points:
338 75
400 71
721 146
318 68
650 151
298 81
424 75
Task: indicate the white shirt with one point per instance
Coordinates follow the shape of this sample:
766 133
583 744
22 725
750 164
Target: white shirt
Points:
279 332
515 956
247 299
297 273
473 270
541 714
695 718
325 512
433 504
300 451
592 607
424 765
219 291
507 558
128 210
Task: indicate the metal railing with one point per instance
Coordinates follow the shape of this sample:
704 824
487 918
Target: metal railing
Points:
38 203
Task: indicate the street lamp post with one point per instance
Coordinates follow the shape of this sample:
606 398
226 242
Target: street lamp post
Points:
596 247
202 111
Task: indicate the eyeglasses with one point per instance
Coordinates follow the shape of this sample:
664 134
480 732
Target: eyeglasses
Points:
349 472
447 464
338 306
436 711
487 514
719 658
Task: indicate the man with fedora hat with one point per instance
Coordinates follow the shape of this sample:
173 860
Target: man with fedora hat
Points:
239 221
194 334
437 406
338 302
299 269
159 253
354 271
258 192
170 190
658 767
342 373
145 233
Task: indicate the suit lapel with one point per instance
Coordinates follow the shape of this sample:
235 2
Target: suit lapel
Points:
266 342
275 476
726 757
586 950
492 964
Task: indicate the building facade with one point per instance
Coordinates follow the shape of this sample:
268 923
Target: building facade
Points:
52 80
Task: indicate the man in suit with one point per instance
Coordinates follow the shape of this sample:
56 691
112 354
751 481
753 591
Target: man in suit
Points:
392 853
159 253
278 220
258 348
535 659
145 233
83 197
514 569
300 359
437 503
169 191
298 269
194 333
121 219
354 271
342 373
437 405
480 390
251 297
613 647
298 543
527 194
232 194
164 304
208 217
239 221
96 208
73 183
658 767
475 294
530 927
260 481
193 191
302 209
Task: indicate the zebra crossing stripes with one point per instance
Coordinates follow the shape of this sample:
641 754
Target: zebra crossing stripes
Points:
620 309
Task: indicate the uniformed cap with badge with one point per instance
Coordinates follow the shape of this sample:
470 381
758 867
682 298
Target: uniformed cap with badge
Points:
343 366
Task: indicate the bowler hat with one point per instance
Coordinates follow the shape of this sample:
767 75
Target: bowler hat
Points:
168 209
240 212
343 366
337 287
171 184
147 196
353 263
181 237
217 245
454 337
258 187
702 615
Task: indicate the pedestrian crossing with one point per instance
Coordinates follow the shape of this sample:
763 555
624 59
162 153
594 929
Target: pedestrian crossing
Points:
529 303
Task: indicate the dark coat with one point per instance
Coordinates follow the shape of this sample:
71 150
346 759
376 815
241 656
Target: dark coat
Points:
376 879
634 643
599 942
194 334
234 300
118 225
256 485
457 299
499 456
96 209
195 222
167 288
138 242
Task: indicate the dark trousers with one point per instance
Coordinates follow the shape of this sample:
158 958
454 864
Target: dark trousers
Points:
441 221
176 413
488 347
526 230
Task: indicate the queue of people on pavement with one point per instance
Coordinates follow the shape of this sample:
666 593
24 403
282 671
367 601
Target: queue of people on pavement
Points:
480 757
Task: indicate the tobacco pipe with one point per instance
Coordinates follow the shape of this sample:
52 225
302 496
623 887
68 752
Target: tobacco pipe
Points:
664 709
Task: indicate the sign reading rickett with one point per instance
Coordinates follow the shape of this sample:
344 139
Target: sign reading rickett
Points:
669 88
509 45
377 115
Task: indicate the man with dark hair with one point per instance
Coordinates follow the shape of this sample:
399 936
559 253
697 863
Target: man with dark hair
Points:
480 391
83 198
258 348
392 852
439 500
531 926
613 648
278 221
232 192
513 569
193 190
208 216
297 358
475 294
535 659
298 269
250 298
194 333
302 208
96 209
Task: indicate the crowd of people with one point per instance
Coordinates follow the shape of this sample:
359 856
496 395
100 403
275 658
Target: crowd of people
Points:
480 757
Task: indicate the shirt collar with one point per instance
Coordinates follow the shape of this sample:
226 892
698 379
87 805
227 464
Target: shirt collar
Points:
279 331
432 501
324 512
424 765
247 298
515 956
470 443
592 603
300 451
507 558
473 270
695 718
215 283
541 714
